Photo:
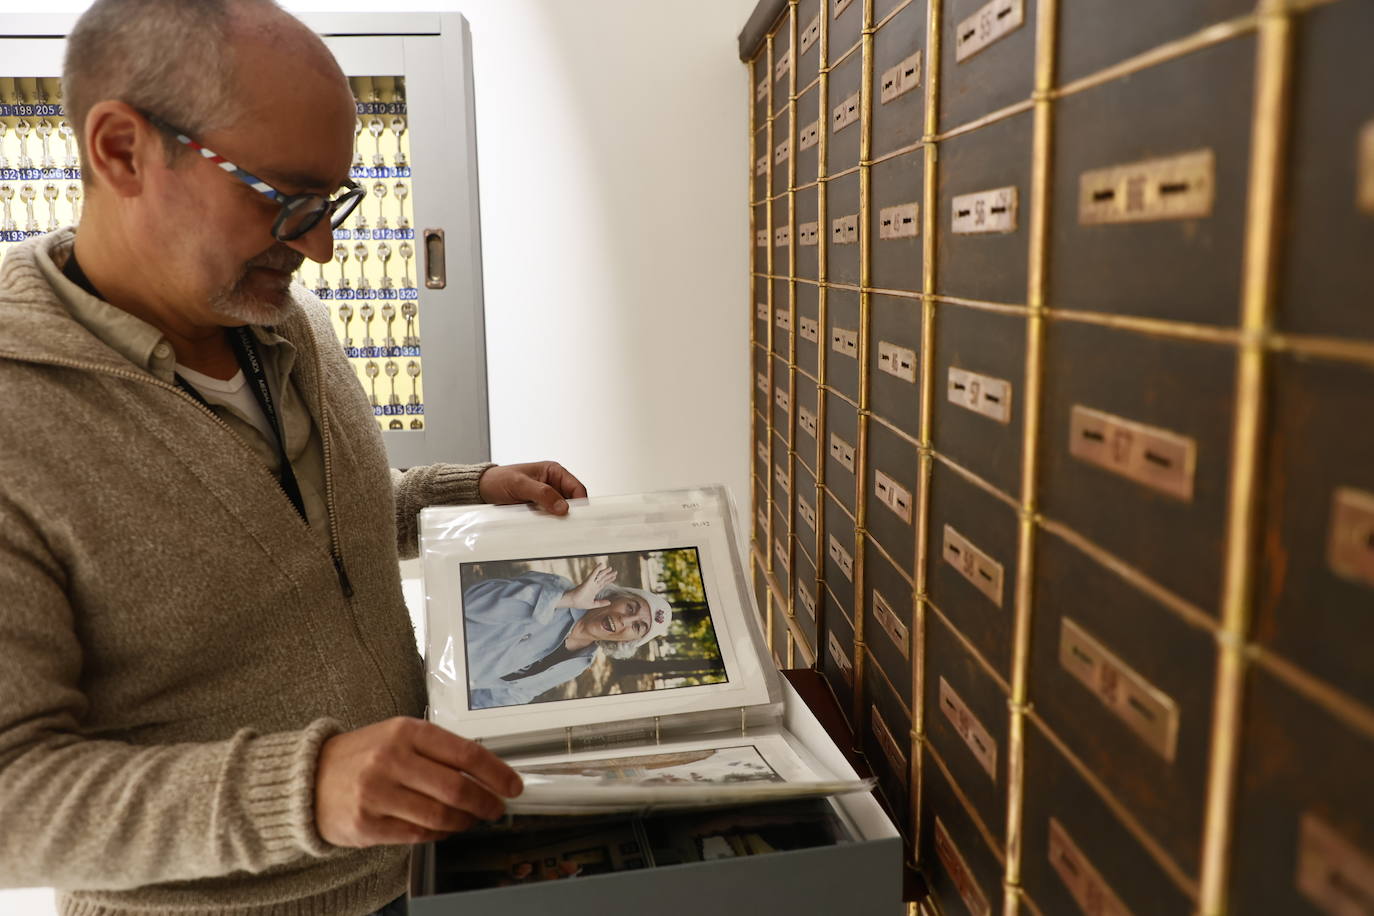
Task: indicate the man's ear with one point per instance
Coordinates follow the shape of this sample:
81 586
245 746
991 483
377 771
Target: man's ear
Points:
119 146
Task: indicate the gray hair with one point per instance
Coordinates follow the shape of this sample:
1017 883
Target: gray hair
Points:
172 58
619 650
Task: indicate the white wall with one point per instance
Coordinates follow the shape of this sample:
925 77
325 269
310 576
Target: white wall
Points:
617 325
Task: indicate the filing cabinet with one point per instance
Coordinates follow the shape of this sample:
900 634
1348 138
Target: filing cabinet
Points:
899 97
980 371
762 391
1137 458
782 534
810 26
759 189
1093 36
761 510
763 248
782 397
760 582
1314 602
837 565
843 229
962 867
843 108
984 212
846 25
888 626
780 287
781 554
841 451
837 651
1305 822
894 222
987 58
781 72
810 127
761 76
780 240
808 243
804 515
841 342
893 356
778 642
760 360
1127 685
966 721
1325 281
1077 857
780 155
781 322
971 564
886 743
805 591
1141 236
807 442
809 332
891 492
1148 209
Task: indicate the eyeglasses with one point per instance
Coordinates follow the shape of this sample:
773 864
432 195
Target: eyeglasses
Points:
299 212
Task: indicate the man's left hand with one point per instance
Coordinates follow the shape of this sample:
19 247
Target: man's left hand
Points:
545 483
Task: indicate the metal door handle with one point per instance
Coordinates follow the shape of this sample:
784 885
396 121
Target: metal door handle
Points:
436 272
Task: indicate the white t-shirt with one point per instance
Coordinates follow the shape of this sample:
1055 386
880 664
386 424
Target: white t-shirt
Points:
233 393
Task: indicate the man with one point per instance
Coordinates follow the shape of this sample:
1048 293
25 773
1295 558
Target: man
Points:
209 691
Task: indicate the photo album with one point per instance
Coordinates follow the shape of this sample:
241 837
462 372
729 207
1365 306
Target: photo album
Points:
612 656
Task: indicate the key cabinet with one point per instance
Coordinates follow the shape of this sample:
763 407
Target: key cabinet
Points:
405 285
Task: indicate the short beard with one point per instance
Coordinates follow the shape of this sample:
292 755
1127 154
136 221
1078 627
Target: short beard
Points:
235 302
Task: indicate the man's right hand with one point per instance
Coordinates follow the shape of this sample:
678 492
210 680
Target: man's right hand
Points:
405 780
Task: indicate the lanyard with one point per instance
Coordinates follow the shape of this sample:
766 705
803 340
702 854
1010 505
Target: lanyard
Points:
246 352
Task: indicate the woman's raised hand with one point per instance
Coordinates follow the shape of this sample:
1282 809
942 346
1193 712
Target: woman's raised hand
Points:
583 596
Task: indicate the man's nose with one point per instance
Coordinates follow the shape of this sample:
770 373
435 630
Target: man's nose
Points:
318 243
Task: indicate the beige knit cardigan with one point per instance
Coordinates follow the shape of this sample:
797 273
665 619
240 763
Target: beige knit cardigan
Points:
174 645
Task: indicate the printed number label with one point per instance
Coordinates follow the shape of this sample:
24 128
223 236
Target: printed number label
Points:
1175 187
993 21
985 212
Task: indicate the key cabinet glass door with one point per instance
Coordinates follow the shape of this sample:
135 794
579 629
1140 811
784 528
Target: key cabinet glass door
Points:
404 288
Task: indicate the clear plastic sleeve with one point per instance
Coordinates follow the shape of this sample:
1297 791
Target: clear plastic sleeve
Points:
626 621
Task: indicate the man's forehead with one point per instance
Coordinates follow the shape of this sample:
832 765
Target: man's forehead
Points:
295 108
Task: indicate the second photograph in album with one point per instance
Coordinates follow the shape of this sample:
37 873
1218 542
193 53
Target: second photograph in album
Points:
548 629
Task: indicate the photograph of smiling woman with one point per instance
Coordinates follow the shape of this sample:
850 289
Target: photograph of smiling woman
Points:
563 628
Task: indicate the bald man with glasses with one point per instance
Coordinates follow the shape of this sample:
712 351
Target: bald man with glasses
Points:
210 695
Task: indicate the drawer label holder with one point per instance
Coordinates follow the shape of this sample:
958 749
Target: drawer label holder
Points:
891 624
1088 888
1350 550
959 873
1144 708
969 729
980 569
1173 187
1148 455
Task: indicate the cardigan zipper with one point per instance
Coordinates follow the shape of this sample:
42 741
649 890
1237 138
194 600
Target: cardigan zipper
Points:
334 540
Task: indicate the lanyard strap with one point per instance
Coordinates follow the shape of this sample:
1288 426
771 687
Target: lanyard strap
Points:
246 351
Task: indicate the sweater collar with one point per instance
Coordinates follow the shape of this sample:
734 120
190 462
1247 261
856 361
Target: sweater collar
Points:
44 317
